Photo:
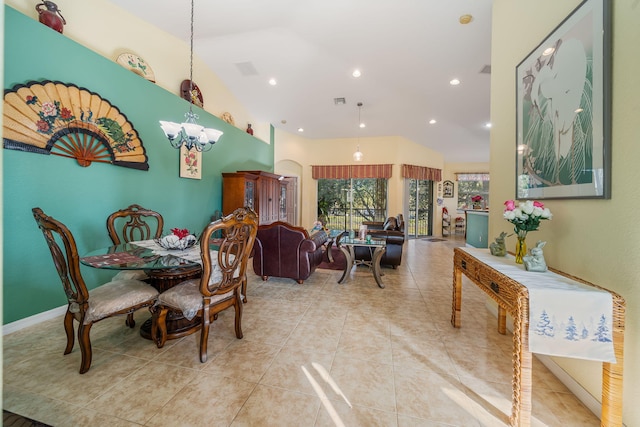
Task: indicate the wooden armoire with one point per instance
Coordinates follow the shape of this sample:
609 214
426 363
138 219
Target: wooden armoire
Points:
264 192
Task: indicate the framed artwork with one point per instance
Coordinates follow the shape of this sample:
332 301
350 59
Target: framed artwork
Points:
190 163
563 109
448 189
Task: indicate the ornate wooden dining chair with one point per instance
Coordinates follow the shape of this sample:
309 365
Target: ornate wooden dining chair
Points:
130 224
84 306
134 223
220 284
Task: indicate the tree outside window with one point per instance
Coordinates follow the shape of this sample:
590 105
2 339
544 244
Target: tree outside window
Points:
368 201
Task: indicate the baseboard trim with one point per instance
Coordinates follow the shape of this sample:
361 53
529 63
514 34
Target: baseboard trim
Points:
580 392
33 320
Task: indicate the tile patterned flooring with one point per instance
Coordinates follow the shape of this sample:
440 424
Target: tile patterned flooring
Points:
317 354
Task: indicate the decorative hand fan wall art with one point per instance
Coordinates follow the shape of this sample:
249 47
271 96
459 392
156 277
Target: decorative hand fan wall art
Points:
51 117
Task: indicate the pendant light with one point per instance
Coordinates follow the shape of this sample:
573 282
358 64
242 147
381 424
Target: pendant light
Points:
357 156
189 133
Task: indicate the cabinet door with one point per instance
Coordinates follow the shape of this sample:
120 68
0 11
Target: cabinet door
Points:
283 203
249 194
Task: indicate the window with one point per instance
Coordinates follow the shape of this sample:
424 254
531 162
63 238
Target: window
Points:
470 185
345 203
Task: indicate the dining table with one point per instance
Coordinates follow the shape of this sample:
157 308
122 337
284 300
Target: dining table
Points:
164 268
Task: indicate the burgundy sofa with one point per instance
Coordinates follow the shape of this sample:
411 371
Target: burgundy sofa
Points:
283 250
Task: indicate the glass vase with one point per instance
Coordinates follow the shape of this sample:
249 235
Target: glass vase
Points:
521 249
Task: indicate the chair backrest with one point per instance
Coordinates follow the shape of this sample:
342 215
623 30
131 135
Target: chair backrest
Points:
139 224
239 234
67 261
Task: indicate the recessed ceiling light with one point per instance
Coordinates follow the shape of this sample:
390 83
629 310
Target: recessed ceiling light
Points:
356 73
454 82
548 51
273 82
433 121
362 125
465 19
300 130
487 125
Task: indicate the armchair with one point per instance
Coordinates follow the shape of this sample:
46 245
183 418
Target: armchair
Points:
283 250
392 230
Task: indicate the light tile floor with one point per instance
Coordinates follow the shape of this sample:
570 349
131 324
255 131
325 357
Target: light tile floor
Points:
317 354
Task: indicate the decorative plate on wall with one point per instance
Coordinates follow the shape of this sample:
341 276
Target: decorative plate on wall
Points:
196 95
136 64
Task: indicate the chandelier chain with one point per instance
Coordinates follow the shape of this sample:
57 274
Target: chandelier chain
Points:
191 61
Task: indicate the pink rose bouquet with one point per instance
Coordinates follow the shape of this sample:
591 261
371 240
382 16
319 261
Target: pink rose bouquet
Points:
525 216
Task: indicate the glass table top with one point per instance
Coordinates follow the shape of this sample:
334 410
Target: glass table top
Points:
144 255
363 242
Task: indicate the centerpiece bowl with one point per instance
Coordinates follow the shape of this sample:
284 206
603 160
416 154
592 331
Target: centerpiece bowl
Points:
173 242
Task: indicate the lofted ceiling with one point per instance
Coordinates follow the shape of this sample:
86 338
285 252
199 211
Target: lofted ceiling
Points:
406 50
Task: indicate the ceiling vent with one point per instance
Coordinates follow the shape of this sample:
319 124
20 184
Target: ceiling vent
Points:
246 69
339 101
486 69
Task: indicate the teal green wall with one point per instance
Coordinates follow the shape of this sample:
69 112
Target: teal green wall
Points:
82 198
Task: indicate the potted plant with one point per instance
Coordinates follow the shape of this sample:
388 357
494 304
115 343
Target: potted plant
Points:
476 200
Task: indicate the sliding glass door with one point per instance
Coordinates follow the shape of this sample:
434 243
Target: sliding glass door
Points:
419 196
345 203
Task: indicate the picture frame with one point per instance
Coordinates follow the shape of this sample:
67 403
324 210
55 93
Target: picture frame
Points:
448 189
190 163
563 109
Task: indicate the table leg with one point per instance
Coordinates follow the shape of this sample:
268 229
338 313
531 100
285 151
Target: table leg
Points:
612 384
177 325
329 254
502 320
348 263
457 297
522 385
375 259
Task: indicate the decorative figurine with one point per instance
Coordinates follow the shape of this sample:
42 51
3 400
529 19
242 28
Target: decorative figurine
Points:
498 248
249 129
534 260
50 15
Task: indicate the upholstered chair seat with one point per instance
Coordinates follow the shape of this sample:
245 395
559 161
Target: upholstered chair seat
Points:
115 296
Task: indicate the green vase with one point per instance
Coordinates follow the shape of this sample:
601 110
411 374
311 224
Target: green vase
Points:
521 249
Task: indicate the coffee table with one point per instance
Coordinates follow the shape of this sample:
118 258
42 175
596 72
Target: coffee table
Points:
377 248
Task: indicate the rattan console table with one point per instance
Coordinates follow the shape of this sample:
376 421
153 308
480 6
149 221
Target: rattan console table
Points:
513 298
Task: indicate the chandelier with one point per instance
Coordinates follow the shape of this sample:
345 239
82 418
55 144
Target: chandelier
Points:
357 156
190 133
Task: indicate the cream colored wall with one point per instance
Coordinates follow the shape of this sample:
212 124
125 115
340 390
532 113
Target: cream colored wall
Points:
597 240
109 31
387 150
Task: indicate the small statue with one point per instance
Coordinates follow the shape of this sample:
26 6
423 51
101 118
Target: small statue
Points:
249 129
498 248
534 260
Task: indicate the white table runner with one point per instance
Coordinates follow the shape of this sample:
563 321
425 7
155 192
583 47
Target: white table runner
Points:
566 318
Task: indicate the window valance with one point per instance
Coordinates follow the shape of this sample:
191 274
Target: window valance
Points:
421 172
351 171
473 176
